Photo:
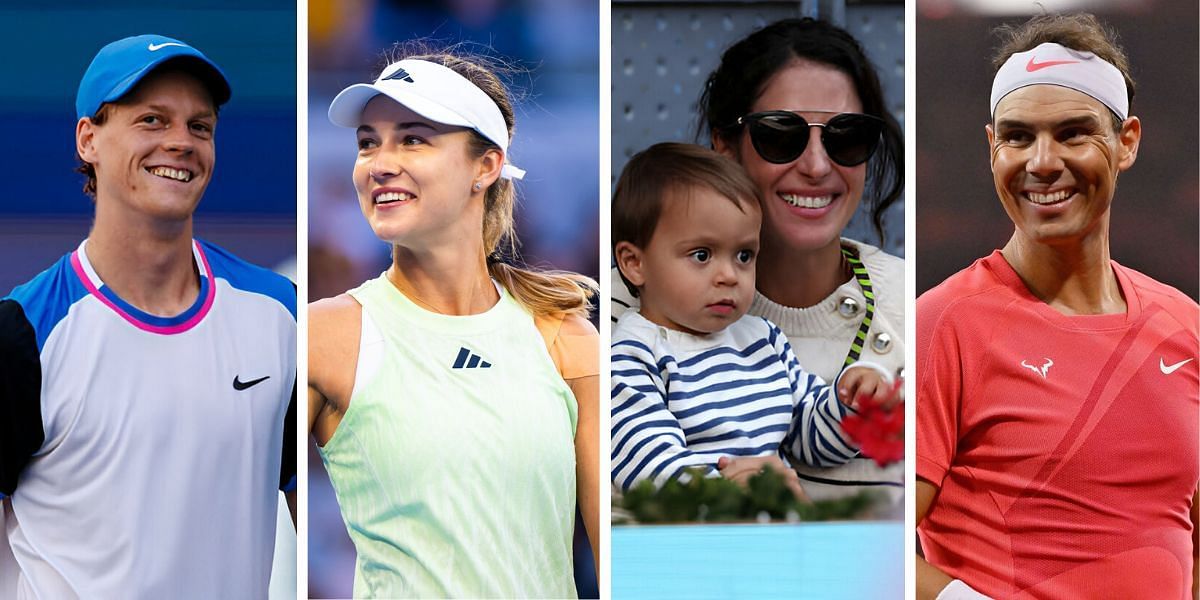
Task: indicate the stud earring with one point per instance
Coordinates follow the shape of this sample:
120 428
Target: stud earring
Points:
478 186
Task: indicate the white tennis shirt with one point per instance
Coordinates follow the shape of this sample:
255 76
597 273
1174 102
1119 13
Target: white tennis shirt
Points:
160 456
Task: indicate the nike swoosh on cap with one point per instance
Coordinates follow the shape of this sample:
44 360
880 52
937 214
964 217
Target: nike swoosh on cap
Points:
1032 66
1167 370
157 47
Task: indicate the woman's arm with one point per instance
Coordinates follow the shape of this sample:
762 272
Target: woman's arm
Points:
334 328
587 457
580 338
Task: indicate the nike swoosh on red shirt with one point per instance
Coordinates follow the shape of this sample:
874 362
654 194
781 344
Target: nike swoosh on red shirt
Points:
1168 369
1032 66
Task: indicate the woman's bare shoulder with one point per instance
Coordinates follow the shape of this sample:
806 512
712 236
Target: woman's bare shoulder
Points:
334 327
334 311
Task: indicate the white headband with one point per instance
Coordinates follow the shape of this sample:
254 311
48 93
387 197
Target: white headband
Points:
1054 64
434 92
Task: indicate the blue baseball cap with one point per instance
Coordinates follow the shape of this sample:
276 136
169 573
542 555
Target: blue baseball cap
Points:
119 66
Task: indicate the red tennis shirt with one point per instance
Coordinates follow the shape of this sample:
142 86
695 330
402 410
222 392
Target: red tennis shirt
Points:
1064 448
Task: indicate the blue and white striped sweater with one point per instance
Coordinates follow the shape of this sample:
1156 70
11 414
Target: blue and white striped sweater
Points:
681 401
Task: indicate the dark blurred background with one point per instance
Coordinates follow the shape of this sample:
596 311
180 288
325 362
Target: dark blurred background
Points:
1154 213
557 141
250 205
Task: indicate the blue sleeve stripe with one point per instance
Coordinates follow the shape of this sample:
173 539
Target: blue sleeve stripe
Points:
731 435
638 361
653 454
839 455
633 451
745 402
782 390
634 474
618 450
764 450
291 485
834 436
821 452
726 367
722 350
635 397
632 344
638 372
649 410
771 410
813 448
709 469
628 403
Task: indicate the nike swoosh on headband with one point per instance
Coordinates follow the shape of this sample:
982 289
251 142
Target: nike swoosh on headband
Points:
157 47
1032 66
1078 70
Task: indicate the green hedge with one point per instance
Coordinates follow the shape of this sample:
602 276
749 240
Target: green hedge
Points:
714 499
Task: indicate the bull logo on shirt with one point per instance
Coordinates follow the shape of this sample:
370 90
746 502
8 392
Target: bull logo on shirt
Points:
1039 370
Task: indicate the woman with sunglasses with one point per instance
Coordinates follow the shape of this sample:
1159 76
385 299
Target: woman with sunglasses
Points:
800 107
455 397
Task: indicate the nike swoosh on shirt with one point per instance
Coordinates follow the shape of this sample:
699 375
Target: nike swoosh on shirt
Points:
1167 370
1032 66
241 385
157 47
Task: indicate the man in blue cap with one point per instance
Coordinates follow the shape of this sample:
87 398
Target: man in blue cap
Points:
147 379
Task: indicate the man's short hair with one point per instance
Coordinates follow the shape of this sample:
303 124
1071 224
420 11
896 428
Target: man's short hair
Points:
671 168
1080 31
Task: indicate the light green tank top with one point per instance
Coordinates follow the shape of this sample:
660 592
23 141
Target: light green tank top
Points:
454 465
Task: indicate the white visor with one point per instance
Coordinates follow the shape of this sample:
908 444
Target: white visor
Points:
1054 64
434 92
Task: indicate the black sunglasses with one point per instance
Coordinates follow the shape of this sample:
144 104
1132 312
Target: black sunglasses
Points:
780 136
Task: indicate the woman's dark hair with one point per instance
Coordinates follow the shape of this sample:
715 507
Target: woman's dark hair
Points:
747 66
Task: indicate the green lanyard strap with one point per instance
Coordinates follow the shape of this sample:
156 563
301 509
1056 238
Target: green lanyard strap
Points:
864 281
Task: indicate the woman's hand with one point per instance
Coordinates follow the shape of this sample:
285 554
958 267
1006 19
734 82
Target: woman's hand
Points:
739 469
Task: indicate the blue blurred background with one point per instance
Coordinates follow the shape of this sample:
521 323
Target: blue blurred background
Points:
557 141
249 207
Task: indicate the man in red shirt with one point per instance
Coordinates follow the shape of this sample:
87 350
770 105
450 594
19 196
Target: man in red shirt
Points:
1058 391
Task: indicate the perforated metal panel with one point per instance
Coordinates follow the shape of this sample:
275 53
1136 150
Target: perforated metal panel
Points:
663 51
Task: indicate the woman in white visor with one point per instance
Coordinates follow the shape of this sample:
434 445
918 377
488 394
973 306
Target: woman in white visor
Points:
455 397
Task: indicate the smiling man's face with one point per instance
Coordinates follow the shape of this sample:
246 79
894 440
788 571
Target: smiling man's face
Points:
1055 159
154 153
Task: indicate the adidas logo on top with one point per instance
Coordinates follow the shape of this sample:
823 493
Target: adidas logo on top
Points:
469 360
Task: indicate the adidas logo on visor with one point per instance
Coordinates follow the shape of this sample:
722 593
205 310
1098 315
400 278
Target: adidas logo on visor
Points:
402 75
469 360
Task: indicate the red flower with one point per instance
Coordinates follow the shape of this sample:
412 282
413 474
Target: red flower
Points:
878 431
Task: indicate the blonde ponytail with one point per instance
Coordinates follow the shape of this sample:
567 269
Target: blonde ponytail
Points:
546 292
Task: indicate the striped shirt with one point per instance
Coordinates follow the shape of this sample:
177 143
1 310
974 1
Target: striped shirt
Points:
683 401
